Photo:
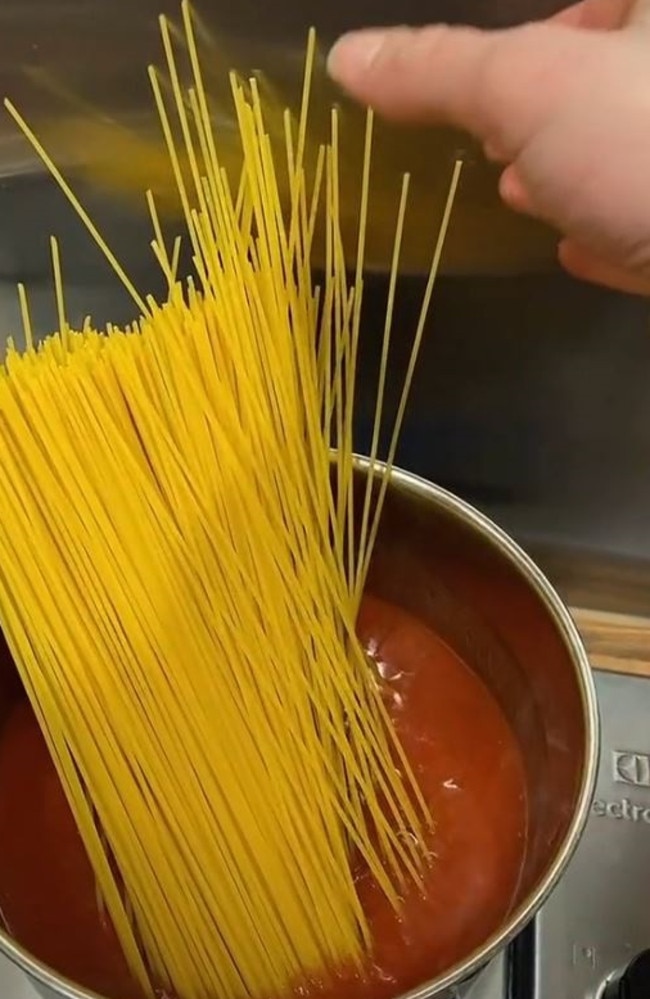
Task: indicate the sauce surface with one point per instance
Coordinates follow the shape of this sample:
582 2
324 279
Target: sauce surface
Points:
469 768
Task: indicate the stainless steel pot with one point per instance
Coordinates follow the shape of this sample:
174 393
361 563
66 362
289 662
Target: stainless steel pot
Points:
453 568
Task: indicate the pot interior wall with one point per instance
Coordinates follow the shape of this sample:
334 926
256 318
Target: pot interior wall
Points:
431 563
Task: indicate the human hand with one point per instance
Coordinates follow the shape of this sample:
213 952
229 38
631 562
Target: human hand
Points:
563 104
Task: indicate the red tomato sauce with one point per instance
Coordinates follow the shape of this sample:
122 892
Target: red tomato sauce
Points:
469 768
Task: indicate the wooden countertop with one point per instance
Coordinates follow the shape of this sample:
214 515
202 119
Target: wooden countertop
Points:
617 643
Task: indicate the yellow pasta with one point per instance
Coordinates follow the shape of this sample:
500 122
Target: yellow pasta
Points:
179 575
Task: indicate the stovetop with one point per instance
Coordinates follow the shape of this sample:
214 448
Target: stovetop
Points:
13 984
598 918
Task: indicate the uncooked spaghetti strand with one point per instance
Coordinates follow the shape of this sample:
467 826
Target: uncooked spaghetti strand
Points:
181 113
76 204
173 154
26 318
381 383
298 162
213 166
347 485
58 290
168 266
417 341
315 201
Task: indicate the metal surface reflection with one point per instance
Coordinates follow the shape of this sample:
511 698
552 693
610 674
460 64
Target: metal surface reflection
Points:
85 60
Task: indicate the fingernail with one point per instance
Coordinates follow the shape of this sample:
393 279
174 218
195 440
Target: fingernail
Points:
355 53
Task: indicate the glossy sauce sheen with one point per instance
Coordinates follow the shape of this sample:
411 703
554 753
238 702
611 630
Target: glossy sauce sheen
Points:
470 771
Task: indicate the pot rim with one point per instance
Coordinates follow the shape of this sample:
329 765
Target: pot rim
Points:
520 917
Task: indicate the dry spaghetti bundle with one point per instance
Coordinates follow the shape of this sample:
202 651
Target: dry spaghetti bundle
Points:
180 571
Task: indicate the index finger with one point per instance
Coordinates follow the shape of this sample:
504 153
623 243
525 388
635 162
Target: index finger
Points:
596 15
499 85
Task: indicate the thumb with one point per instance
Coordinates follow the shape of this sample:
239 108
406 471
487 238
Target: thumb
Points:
499 85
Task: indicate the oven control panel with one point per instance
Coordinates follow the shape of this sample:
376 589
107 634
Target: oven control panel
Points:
593 934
